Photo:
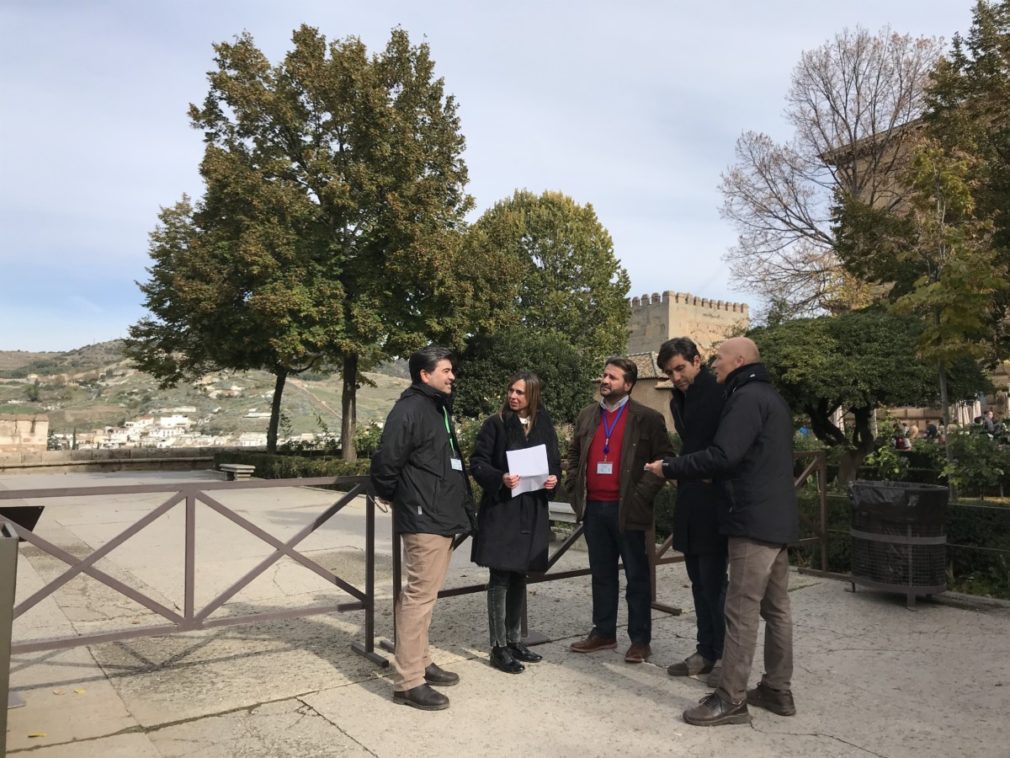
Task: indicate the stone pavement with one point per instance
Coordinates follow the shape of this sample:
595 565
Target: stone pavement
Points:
872 678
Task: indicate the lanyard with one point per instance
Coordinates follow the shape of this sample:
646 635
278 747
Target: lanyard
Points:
608 429
448 430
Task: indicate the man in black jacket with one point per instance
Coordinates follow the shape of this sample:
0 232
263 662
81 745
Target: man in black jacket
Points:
419 468
696 406
751 459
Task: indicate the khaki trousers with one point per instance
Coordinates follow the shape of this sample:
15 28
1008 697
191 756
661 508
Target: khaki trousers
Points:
426 558
758 588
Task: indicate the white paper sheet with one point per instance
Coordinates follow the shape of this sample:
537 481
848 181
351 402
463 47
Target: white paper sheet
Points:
531 465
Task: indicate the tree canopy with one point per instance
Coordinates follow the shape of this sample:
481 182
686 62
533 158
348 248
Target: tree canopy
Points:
942 253
566 296
329 227
857 361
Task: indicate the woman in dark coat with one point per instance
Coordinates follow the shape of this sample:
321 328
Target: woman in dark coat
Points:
513 532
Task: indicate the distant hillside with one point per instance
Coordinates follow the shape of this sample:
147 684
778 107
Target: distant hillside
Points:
96 386
15 359
79 361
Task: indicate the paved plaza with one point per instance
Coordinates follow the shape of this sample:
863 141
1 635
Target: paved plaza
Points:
872 678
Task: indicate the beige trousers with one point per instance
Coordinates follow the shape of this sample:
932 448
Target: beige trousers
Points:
758 589
426 558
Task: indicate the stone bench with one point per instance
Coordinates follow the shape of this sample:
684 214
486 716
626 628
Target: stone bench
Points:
236 471
561 512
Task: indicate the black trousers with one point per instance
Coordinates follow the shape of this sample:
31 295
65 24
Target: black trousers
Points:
607 545
707 572
506 596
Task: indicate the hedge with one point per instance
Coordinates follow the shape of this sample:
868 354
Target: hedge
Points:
286 466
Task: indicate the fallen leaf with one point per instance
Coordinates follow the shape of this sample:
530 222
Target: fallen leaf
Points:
36 734
57 692
80 691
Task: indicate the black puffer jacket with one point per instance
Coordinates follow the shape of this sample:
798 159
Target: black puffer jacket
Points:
700 504
751 457
413 468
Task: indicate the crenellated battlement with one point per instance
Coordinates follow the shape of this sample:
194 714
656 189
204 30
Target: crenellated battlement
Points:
658 317
686 298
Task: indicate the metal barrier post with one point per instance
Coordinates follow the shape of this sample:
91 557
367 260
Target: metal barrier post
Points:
8 582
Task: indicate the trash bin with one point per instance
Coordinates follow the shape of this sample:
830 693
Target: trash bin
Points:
899 540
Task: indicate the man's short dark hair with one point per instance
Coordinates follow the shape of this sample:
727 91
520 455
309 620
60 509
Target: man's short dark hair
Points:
426 359
626 365
683 346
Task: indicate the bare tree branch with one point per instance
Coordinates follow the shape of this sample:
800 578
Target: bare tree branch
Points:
854 104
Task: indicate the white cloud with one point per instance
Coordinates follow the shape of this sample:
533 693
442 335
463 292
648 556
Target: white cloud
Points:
633 107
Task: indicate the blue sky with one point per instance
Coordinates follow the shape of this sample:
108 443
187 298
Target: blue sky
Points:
633 107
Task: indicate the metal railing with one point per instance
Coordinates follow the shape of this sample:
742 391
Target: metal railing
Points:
817 468
189 496
194 496
8 579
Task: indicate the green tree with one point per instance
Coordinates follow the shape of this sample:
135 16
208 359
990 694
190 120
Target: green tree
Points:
858 361
565 371
562 299
329 228
969 109
938 259
969 114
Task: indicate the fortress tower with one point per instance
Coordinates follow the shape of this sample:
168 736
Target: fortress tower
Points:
656 318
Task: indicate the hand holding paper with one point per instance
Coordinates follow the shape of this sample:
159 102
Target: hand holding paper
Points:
531 465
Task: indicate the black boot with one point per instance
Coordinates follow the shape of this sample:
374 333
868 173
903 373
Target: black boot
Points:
522 653
423 697
439 676
501 659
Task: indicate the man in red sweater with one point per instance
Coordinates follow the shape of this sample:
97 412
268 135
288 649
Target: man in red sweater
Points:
612 495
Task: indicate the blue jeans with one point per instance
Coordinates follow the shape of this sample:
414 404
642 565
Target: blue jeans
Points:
607 544
707 572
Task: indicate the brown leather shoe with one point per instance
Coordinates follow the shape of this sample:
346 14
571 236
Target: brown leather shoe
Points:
592 643
637 653
777 701
712 710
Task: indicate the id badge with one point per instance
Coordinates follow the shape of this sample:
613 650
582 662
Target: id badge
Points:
457 464
604 468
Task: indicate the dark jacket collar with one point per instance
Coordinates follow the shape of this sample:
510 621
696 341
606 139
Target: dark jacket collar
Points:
420 388
751 372
704 378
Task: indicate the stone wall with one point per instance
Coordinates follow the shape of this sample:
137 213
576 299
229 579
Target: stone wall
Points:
656 318
23 433
122 459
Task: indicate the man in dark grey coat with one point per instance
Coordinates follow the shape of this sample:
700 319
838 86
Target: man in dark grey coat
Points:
751 459
696 406
419 468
